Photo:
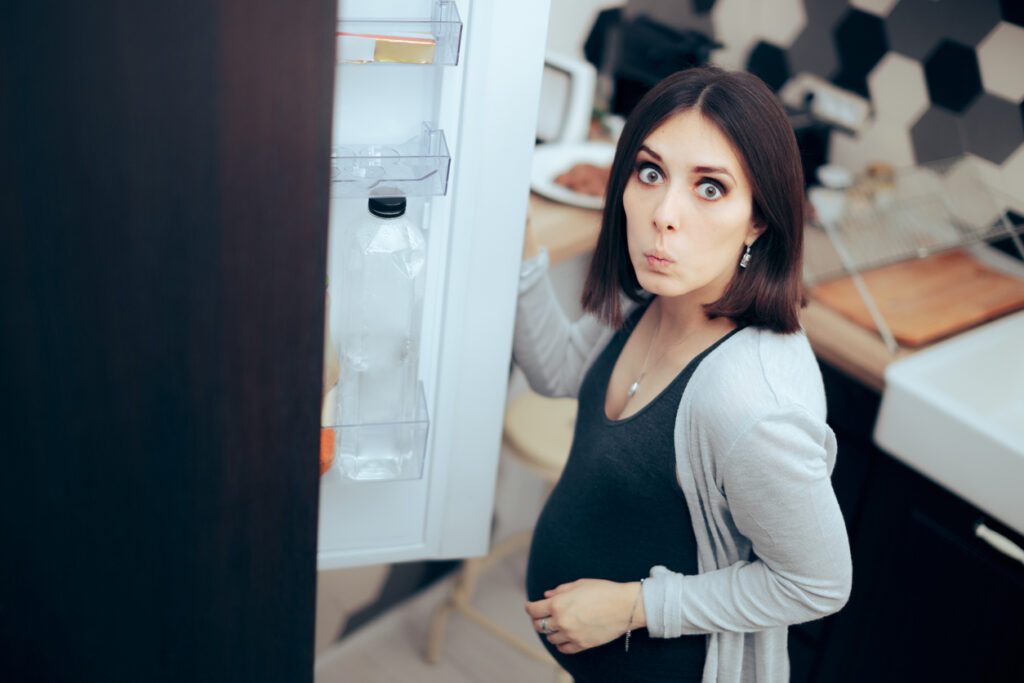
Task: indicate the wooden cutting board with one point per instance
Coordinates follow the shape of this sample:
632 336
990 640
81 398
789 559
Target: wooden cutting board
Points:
927 299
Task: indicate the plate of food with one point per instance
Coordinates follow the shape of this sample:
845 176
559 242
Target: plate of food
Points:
573 174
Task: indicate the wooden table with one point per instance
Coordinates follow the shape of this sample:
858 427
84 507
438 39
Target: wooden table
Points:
568 231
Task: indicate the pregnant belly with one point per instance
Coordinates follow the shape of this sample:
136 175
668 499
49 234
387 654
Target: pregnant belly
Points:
569 544
573 540
592 531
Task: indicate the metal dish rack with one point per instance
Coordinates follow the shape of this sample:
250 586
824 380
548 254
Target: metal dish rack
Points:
925 210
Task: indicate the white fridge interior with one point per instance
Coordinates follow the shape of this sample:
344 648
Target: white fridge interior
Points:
480 112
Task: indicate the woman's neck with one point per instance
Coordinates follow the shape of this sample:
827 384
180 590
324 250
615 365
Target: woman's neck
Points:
684 317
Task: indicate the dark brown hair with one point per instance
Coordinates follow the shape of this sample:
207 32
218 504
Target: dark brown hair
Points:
769 292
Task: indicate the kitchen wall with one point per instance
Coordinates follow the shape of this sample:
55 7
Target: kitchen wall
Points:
569 23
943 77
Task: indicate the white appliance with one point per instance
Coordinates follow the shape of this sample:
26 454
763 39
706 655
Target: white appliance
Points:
485 106
566 99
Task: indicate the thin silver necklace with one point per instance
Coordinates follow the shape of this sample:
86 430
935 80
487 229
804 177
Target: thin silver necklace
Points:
635 386
643 370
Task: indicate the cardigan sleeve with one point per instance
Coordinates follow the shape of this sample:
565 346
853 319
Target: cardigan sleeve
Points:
552 351
777 487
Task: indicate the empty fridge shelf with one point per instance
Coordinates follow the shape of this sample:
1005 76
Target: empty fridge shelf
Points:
416 168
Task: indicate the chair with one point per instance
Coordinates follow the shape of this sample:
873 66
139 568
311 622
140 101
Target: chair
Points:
538 434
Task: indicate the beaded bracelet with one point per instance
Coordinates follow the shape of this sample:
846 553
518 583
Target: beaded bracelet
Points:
636 601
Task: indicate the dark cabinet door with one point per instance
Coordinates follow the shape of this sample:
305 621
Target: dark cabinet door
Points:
930 600
936 603
164 174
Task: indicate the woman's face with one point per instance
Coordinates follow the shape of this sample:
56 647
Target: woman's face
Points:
689 210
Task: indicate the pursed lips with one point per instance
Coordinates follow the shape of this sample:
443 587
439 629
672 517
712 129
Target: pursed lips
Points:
657 260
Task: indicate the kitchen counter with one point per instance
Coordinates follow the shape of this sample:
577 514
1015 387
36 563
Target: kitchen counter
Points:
568 231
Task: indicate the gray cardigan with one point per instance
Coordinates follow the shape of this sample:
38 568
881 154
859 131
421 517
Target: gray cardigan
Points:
753 457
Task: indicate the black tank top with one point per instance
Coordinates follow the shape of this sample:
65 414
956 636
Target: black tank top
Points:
616 511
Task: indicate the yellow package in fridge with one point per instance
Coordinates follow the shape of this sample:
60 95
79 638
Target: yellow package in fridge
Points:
402 48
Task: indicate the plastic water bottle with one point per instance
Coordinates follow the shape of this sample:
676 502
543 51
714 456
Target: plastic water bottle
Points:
382 291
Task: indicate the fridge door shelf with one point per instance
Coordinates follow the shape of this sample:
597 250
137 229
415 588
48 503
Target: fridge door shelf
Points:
380 452
400 41
416 168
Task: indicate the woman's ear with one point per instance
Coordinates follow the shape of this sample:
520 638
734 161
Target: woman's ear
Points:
754 231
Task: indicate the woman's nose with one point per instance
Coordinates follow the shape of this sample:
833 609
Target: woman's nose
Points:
668 214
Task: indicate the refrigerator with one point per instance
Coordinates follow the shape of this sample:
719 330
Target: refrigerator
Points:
455 137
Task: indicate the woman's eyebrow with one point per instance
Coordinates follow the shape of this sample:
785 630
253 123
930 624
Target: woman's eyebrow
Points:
645 148
713 170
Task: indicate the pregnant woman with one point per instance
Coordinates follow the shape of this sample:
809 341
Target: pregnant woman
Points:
695 518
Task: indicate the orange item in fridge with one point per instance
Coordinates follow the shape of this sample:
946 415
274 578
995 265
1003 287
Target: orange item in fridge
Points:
326 449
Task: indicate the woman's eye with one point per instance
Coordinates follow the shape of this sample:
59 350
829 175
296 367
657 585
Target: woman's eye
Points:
649 174
709 189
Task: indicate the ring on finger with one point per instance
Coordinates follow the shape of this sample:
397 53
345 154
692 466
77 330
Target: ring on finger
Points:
544 626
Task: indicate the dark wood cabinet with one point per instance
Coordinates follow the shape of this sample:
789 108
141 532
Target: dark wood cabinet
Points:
937 603
930 601
164 177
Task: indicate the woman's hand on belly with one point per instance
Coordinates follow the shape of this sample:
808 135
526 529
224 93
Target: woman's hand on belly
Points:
587 613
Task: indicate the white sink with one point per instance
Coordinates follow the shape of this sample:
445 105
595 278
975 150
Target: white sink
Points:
955 412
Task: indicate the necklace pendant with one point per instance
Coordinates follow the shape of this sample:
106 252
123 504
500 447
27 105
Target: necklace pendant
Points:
633 388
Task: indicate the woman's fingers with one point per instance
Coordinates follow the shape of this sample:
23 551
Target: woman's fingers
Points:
539 609
558 638
560 589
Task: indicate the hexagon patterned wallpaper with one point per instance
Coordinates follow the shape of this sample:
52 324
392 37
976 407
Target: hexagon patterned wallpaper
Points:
943 77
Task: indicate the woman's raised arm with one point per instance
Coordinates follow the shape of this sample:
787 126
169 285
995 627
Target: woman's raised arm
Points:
552 351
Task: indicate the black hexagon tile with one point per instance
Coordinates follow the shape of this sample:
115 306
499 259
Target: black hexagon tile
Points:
860 43
936 135
992 128
951 71
768 62
702 6
1013 11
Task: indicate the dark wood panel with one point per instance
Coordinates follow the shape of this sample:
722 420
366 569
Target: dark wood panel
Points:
937 604
929 601
163 214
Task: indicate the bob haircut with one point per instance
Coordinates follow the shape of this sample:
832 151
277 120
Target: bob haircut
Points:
769 292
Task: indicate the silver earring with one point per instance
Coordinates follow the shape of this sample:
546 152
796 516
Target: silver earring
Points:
745 260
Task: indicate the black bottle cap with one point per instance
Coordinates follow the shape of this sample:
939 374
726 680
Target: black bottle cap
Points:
387 207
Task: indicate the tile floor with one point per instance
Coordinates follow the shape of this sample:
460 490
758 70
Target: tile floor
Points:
391 649
341 593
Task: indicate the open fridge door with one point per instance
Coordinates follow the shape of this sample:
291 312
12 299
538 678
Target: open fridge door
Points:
436 114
